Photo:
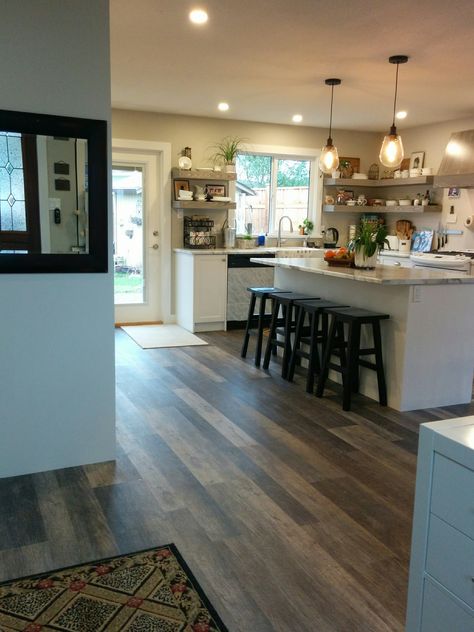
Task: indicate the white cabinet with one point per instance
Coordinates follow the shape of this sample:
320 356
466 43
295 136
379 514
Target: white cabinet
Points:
201 291
441 588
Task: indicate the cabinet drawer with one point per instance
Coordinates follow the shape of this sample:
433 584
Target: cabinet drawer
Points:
450 559
452 494
443 614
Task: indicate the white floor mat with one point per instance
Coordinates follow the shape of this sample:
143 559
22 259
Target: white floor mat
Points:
154 336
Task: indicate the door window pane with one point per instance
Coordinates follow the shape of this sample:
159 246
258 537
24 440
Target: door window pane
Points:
255 172
292 193
127 195
12 184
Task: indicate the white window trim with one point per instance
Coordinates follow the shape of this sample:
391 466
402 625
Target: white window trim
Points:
315 182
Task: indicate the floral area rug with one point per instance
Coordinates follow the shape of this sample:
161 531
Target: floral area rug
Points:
148 591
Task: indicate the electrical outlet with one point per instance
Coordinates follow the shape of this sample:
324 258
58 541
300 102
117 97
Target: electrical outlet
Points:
417 294
180 214
452 218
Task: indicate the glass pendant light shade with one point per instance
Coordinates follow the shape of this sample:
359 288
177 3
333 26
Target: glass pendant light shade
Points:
391 152
329 158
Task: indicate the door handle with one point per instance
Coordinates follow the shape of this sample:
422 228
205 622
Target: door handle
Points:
155 246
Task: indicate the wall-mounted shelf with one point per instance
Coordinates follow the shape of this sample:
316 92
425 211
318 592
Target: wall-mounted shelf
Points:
209 206
389 182
202 174
343 208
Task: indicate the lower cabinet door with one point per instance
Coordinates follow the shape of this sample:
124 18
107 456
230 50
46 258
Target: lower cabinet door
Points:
210 288
441 613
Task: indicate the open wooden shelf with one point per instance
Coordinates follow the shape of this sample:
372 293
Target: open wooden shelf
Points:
343 208
202 174
210 206
389 182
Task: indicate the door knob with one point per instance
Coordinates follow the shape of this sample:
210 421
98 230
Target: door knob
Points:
155 246
155 233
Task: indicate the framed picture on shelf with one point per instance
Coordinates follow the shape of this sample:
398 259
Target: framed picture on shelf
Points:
348 166
416 159
405 164
454 192
216 189
180 185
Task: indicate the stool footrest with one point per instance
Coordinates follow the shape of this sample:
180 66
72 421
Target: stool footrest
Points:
368 365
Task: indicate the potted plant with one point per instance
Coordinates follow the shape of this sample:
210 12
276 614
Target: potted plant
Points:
306 227
345 168
369 239
227 150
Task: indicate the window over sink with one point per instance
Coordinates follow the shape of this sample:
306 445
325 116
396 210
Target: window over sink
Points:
270 186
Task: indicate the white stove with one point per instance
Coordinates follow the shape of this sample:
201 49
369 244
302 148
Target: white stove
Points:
452 260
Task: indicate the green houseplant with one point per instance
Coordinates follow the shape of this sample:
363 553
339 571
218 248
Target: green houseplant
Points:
227 150
306 226
369 239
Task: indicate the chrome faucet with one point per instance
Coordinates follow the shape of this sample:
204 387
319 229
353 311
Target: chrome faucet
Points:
279 228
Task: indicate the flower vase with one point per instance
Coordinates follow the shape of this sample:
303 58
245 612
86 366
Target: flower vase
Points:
364 262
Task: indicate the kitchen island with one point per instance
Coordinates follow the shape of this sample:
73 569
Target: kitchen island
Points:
428 343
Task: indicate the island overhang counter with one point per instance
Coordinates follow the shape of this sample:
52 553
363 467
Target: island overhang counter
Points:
428 342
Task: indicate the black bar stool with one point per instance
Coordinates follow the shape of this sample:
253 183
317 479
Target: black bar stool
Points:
256 323
350 353
318 334
285 301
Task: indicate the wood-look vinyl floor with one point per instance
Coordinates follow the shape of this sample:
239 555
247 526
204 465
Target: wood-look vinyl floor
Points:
293 514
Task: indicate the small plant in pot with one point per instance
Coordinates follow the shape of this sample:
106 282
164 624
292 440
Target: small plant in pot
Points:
370 238
306 227
227 150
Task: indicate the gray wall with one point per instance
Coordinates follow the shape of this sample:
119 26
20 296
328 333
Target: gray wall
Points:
56 331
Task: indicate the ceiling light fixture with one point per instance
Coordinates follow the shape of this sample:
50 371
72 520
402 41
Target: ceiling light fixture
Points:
402 114
391 152
329 158
223 107
198 16
297 118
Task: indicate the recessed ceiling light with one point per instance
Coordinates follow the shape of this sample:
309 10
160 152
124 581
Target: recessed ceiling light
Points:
223 107
198 16
297 118
402 114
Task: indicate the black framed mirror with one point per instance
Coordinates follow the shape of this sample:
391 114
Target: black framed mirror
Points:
53 193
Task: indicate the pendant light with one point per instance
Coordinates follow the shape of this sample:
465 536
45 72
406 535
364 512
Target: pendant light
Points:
391 152
329 158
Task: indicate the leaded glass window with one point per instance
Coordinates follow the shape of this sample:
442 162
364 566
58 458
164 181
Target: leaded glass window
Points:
12 183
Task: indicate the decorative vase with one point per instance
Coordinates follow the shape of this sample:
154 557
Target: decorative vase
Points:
336 174
230 167
364 262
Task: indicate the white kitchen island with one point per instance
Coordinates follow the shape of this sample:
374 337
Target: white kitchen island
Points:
428 343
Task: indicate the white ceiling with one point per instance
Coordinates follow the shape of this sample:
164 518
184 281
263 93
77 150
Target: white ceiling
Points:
268 59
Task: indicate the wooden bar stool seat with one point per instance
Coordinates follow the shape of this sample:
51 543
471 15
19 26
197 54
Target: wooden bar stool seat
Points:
256 322
349 351
315 310
285 302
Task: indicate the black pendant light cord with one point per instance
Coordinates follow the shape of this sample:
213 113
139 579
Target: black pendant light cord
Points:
396 59
330 116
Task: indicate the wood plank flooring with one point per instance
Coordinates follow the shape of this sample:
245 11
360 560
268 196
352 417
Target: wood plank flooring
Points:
293 514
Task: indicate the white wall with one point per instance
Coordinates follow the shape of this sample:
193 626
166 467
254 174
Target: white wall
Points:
56 331
432 139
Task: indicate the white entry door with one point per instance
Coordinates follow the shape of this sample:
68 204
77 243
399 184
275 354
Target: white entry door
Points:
136 240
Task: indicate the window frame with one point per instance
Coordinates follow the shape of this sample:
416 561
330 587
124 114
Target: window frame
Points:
278 152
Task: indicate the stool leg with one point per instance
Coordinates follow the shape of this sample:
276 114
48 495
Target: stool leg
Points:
271 335
261 316
300 314
313 361
323 376
352 364
379 363
355 369
287 342
245 344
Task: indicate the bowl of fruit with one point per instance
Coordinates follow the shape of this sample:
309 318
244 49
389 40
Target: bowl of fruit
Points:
341 257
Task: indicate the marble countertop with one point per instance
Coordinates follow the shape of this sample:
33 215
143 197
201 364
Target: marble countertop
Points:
245 251
382 275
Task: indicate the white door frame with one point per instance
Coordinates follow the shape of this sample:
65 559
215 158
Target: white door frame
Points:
162 151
